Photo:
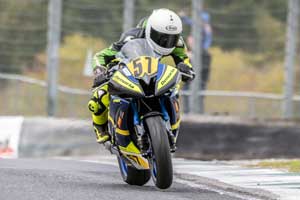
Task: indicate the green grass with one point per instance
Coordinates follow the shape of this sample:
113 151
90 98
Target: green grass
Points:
291 166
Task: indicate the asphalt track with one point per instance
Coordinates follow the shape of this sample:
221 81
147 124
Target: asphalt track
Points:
36 179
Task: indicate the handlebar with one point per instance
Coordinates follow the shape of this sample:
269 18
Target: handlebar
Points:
188 75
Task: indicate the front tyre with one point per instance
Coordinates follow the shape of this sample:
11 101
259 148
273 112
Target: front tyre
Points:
161 162
131 175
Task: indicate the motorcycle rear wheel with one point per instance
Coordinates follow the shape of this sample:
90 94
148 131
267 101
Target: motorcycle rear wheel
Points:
131 175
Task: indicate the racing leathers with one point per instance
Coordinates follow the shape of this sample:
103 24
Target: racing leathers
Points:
99 102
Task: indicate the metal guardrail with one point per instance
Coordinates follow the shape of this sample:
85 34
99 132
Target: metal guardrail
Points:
251 97
25 79
223 93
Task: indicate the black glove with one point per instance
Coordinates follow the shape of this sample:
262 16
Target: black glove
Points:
188 73
99 80
113 63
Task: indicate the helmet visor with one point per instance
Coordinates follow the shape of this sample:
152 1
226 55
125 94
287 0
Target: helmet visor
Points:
163 39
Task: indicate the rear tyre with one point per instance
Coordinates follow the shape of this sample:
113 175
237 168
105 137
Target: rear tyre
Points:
161 163
131 175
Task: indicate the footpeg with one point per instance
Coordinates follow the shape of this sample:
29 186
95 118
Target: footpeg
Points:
143 143
142 139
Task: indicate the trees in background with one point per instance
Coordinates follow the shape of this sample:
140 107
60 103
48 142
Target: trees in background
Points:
255 26
23 29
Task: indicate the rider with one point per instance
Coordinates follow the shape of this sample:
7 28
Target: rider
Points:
162 30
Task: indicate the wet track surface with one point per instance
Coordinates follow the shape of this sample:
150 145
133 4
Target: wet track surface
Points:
66 179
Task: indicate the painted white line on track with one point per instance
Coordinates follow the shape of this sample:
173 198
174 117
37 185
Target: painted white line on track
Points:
280 183
221 192
111 160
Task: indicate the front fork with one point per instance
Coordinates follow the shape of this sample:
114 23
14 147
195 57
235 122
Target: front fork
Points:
142 138
172 134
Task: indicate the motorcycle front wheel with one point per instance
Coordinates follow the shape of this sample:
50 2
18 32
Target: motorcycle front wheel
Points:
161 162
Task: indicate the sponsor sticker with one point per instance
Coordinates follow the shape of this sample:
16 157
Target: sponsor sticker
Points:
171 28
10 128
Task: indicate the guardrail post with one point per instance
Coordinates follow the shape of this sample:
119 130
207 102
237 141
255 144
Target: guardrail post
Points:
290 53
54 32
128 14
196 101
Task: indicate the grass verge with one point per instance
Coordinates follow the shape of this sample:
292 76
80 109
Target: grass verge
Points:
291 166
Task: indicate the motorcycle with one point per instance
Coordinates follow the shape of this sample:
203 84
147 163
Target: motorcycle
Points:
144 117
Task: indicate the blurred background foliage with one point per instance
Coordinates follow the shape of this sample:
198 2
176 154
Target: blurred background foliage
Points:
231 71
73 53
249 38
23 30
248 50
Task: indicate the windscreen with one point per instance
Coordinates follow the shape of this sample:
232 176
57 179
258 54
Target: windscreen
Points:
136 48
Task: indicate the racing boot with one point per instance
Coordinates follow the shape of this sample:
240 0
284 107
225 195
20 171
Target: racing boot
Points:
101 132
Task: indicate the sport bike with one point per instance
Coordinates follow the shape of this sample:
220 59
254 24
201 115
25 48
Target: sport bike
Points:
144 117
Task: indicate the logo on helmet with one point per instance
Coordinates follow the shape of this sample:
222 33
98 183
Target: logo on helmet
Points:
171 28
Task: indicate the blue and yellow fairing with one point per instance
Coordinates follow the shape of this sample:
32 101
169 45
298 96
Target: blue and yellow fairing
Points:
143 77
127 80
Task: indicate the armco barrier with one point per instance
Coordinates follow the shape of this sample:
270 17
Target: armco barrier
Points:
235 139
56 137
204 138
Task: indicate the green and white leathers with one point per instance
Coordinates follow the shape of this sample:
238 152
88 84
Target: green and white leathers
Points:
143 30
162 30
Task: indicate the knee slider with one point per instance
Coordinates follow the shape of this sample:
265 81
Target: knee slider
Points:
96 104
93 106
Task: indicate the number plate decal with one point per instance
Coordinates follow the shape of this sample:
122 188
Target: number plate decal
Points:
143 66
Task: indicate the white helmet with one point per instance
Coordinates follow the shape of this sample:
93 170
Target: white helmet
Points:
163 30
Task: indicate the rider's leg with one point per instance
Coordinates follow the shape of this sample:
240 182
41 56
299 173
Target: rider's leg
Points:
98 105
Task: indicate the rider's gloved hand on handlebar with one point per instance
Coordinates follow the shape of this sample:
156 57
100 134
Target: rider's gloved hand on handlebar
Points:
113 63
112 67
188 72
100 76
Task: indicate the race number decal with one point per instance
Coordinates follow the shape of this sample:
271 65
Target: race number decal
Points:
143 66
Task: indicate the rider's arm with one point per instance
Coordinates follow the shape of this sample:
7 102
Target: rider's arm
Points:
182 61
104 57
179 54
